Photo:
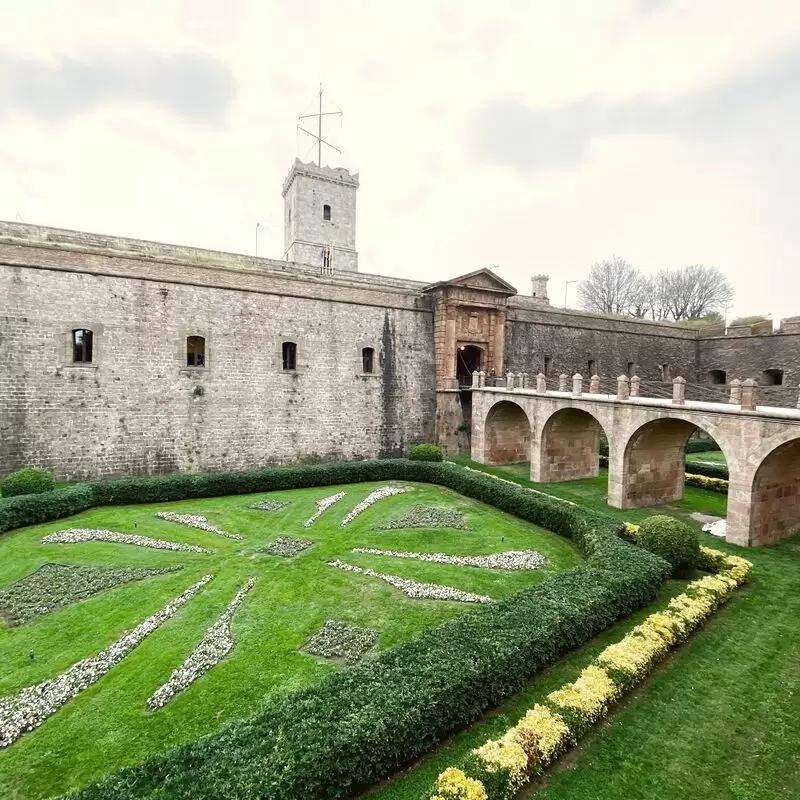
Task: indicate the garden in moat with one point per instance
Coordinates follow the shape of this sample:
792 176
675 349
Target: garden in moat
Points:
302 583
392 630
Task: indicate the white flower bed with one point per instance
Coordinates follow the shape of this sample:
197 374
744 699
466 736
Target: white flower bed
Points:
75 535
30 707
195 521
322 506
372 497
427 591
510 559
215 645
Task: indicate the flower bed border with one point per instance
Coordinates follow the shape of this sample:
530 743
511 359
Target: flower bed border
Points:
499 768
359 725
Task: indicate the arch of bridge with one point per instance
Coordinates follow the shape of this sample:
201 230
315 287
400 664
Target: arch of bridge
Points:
764 495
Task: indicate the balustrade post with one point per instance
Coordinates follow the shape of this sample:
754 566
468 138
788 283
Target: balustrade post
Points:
749 395
594 384
481 379
523 380
541 383
510 381
577 384
678 391
736 392
476 379
562 382
636 383
622 387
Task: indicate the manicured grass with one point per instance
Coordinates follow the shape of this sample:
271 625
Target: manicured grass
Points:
108 726
719 719
710 456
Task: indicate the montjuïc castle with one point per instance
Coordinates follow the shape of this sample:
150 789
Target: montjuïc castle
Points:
126 357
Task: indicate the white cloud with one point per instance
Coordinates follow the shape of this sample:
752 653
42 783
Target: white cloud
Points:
679 172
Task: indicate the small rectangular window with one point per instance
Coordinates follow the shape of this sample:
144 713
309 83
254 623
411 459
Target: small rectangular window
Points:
82 346
547 362
592 368
666 373
368 359
326 212
195 351
631 371
289 356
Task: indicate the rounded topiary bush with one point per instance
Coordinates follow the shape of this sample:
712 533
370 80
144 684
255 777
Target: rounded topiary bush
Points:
27 481
673 540
425 452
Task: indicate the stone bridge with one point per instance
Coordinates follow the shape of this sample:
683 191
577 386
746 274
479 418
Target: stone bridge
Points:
559 433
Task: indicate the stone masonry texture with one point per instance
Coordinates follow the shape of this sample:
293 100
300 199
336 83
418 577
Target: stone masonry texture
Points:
139 409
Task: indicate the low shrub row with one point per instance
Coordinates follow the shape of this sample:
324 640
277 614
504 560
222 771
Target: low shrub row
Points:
27 481
713 477
361 724
498 769
709 470
703 482
692 446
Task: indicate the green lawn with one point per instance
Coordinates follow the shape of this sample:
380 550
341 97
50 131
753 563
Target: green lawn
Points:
108 726
719 719
710 456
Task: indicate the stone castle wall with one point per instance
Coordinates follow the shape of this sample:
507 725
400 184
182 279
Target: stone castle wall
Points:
138 408
570 341
753 357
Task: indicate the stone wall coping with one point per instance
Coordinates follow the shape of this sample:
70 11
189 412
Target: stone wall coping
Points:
772 412
229 271
550 315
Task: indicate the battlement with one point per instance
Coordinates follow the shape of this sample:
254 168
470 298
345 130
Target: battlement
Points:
338 175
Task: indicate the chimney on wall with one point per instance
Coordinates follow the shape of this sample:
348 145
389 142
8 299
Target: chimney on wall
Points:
539 288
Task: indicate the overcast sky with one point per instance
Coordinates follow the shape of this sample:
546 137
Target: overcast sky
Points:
537 136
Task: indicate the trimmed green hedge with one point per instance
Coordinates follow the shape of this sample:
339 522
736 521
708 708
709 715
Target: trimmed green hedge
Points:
363 723
701 446
708 470
27 481
693 468
426 452
672 539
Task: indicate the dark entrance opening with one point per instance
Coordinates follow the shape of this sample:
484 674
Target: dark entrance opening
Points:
468 360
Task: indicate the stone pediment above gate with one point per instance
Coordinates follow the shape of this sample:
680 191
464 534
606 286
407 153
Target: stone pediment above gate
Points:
481 287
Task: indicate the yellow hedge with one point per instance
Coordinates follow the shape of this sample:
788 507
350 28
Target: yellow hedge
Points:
453 784
548 729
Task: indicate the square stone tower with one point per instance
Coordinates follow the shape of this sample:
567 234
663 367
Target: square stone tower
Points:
319 217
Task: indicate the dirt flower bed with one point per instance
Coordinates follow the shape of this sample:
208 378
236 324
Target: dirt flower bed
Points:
269 505
341 642
54 586
286 546
427 517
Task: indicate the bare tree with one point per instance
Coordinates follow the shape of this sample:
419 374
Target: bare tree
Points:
613 286
695 291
